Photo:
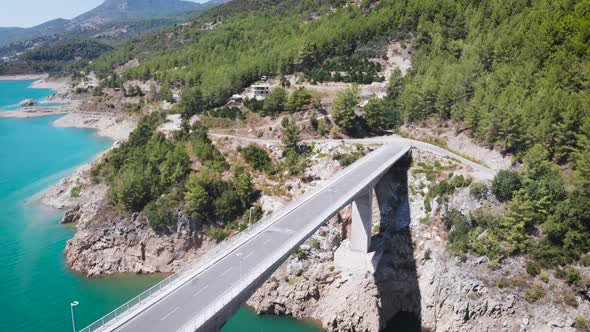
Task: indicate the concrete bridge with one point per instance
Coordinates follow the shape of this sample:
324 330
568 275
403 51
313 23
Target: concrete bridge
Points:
203 296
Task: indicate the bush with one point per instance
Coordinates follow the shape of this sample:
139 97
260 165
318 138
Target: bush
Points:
478 190
534 293
161 212
76 191
454 219
544 277
257 157
533 268
505 183
315 243
582 323
299 254
585 260
227 206
218 233
573 276
569 298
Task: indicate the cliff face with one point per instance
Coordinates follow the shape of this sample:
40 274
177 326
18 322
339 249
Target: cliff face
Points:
127 244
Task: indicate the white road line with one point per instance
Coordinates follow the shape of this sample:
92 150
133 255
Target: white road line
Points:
170 313
202 289
226 271
250 254
266 242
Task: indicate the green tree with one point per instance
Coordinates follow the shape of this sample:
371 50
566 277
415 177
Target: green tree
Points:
505 183
375 114
344 108
161 212
290 136
197 197
299 99
191 102
275 102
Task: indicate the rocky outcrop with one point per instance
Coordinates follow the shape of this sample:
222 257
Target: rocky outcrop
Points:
71 216
28 102
126 243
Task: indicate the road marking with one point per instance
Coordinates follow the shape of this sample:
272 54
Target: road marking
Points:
202 289
226 271
170 313
266 242
250 254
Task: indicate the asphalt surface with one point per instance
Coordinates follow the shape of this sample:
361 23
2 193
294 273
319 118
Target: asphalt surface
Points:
189 300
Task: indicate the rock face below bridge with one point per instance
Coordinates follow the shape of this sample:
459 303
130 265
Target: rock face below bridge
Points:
417 275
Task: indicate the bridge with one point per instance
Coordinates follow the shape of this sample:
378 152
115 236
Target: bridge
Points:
205 294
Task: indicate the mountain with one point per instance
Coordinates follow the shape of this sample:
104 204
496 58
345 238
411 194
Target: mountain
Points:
113 10
110 13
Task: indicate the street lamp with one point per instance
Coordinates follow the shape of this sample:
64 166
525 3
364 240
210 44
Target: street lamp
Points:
250 219
72 305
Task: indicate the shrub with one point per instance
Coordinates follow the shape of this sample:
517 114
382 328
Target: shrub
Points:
534 293
218 233
76 191
257 157
582 323
573 276
533 268
544 277
585 260
505 183
453 219
346 159
315 243
569 298
478 190
227 205
427 255
161 212
299 254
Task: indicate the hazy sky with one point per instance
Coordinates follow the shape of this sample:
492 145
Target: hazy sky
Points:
28 13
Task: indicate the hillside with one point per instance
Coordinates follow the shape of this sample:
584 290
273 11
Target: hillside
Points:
114 10
512 76
114 19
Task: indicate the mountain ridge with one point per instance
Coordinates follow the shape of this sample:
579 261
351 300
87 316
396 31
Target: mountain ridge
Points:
108 12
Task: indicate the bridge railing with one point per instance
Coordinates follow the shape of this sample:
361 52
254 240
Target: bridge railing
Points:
246 281
140 302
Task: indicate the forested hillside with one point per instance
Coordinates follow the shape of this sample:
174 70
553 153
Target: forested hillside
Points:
513 73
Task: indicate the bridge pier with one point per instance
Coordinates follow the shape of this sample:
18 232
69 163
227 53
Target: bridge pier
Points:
362 221
355 255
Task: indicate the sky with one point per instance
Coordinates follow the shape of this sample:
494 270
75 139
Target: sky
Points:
28 13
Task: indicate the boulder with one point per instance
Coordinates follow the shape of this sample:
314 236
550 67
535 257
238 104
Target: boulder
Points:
28 102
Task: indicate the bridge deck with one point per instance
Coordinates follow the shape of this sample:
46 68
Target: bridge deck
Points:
293 225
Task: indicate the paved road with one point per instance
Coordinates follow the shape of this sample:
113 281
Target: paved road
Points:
484 172
187 301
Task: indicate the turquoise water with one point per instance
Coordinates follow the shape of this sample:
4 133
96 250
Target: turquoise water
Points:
36 284
13 92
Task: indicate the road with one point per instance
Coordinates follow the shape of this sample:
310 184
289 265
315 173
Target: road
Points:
191 298
483 171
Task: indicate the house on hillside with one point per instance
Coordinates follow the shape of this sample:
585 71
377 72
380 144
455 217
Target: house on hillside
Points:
260 91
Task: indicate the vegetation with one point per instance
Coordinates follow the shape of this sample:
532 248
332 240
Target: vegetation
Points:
257 157
349 69
68 56
534 293
146 172
226 112
344 109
